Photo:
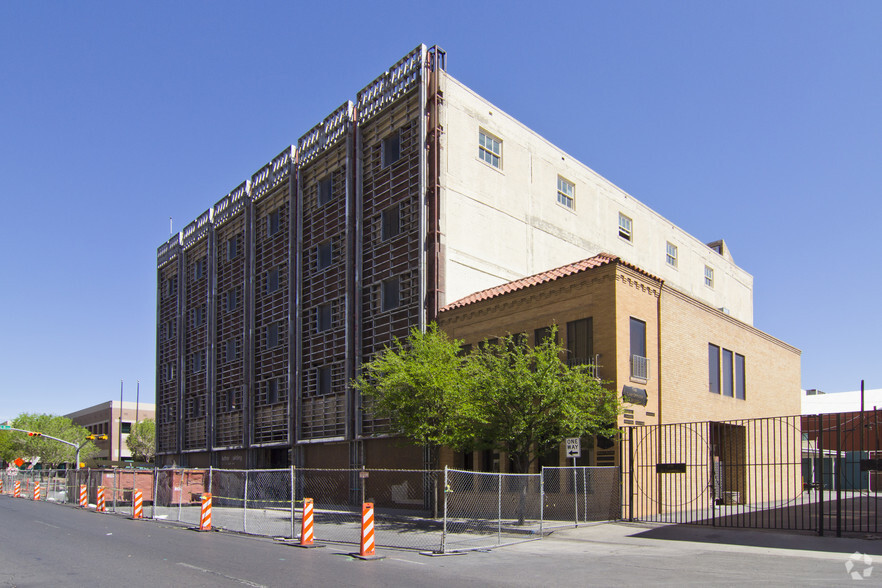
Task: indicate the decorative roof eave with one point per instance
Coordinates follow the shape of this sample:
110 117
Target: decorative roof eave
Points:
598 260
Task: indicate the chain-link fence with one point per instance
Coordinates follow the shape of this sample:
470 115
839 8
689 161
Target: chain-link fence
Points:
432 510
573 495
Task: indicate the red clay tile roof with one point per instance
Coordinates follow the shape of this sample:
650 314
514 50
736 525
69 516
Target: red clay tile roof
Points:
540 278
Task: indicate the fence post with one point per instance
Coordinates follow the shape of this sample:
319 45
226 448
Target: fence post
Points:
245 505
541 500
293 530
155 491
444 527
499 512
631 467
821 475
838 473
575 495
210 478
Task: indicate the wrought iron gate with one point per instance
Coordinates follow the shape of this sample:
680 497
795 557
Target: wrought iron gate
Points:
810 472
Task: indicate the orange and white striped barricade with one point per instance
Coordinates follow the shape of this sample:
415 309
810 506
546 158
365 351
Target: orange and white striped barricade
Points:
368 547
16 489
137 504
1 485
84 496
37 490
306 533
205 517
100 507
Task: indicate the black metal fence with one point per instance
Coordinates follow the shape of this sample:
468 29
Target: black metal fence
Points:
811 472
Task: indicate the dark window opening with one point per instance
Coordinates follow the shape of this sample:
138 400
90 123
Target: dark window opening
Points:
728 389
323 385
391 149
323 318
232 248
272 335
273 222
580 342
325 190
272 280
324 255
391 294
391 222
713 362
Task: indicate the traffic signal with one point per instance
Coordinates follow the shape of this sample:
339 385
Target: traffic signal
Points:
93 437
34 434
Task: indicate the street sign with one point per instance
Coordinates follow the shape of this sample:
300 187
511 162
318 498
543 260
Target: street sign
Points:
5 427
574 447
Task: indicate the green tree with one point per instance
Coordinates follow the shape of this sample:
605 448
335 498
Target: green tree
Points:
511 397
142 440
531 400
51 453
420 386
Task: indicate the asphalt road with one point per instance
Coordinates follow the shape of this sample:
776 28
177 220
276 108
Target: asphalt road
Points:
44 544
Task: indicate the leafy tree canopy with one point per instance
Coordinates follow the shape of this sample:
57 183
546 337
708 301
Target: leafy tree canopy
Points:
142 440
51 453
508 396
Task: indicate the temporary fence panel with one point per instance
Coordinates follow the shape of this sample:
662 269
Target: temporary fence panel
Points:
582 494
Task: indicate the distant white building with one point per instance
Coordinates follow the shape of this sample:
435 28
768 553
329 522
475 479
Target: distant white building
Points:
817 402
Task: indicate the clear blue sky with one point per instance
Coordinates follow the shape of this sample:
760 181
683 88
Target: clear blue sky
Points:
757 122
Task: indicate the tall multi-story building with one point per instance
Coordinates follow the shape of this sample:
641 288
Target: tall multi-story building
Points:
415 195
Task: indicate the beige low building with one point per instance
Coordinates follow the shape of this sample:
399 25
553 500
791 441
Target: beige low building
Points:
115 420
670 357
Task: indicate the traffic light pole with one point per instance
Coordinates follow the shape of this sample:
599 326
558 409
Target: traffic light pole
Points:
38 434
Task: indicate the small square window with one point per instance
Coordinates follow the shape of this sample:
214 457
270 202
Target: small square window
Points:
708 276
489 149
325 190
323 380
273 222
232 248
391 149
272 280
390 221
272 335
625 227
671 255
566 192
391 294
324 255
323 318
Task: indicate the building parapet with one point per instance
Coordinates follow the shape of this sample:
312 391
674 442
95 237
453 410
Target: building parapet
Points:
391 84
325 134
273 173
197 229
231 204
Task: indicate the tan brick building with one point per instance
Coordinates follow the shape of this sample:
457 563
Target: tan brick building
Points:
670 357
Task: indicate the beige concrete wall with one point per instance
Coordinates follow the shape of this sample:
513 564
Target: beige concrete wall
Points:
772 367
502 224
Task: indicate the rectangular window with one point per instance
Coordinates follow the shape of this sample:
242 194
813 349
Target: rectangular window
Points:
126 428
391 294
197 361
713 365
169 371
739 376
489 149
272 335
625 225
323 380
671 255
325 190
233 399
566 192
323 255
391 149
639 361
273 222
390 222
541 335
272 280
580 342
272 391
323 318
199 269
198 316
728 388
171 287
708 276
170 330
231 350
232 299
232 248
